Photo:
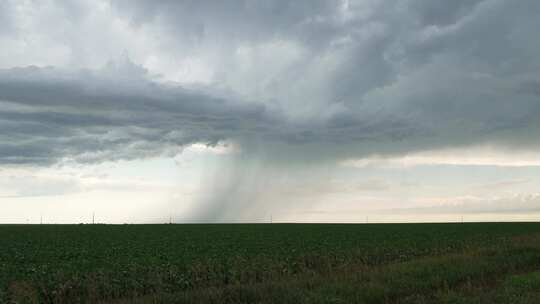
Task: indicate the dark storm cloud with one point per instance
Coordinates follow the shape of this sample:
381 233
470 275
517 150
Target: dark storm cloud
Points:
442 13
48 114
376 77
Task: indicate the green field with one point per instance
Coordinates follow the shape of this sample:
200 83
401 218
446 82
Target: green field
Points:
271 263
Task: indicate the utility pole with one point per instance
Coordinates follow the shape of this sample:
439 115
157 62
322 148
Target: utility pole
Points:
40 218
93 218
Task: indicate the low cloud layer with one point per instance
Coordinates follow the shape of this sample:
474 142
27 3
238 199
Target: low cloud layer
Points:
50 115
475 205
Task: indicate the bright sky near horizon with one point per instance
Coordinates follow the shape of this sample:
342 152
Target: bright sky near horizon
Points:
310 110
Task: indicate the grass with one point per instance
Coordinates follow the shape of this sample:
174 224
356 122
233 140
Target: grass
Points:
278 263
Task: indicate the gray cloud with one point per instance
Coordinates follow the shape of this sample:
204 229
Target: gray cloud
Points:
5 19
235 21
367 78
49 115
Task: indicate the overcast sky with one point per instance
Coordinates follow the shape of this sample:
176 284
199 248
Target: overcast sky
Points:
145 111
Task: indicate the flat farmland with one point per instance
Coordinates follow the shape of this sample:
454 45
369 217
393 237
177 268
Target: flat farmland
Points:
271 263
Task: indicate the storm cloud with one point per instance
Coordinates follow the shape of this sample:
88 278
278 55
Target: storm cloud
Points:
307 80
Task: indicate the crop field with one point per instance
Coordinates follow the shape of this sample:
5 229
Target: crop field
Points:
271 263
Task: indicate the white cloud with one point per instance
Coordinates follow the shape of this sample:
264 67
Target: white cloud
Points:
470 156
